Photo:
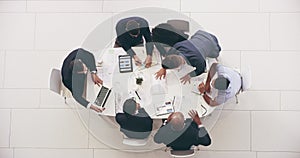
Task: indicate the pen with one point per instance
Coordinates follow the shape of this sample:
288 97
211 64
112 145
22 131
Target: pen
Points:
137 95
173 100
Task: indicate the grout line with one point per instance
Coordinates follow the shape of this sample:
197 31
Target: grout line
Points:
93 153
13 152
259 6
280 101
256 155
4 69
269 32
34 33
102 7
180 7
240 61
10 127
40 99
251 143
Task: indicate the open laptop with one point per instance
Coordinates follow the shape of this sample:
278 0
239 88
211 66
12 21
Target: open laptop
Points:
102 96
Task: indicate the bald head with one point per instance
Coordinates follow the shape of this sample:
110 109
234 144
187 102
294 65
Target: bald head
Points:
176 120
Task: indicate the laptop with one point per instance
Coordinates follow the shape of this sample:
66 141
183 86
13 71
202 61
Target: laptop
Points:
102 96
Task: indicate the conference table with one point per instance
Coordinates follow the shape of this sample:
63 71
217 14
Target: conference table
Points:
152 93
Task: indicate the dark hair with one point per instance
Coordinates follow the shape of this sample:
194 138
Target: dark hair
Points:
76 66
166 34
171 62
129 107
133 27
221 83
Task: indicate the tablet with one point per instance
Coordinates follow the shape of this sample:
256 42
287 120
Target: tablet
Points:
125 63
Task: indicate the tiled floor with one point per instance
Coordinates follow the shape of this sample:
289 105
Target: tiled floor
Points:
36 35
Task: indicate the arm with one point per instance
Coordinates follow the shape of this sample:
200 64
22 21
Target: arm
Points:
212 71
203 137
125 44
149 44
87 58
209 101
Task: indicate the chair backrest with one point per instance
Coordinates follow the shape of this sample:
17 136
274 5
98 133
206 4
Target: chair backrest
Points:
180 25
246 78
134 142
182 153
55 81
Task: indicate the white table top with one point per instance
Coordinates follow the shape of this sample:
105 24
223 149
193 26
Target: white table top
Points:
123 87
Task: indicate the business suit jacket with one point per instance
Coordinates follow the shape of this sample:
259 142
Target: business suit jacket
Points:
137 126
73 81
184 139
126 41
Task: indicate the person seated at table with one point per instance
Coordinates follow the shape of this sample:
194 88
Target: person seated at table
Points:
194 51
74 70
130 32
135 121
227 83
181 134
165 36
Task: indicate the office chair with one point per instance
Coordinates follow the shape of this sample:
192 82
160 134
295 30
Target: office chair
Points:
134 142
182 153
180 25
57 86
246 76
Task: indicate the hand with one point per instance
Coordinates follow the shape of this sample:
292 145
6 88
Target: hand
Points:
137 60
138 105
194 115
201 87
97 109
97 80
148 61
185 79
161 73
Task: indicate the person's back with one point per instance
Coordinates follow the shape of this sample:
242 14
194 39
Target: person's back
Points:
181 135
134 123
206 43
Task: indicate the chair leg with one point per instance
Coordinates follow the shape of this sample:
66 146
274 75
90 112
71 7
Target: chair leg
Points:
236 99
65 100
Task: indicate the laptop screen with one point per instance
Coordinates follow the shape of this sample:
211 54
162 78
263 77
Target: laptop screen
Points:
102 96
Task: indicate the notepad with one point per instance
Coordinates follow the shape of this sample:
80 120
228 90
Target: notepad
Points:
164 109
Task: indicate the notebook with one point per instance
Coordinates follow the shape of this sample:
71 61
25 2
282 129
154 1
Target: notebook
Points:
166 108
102 96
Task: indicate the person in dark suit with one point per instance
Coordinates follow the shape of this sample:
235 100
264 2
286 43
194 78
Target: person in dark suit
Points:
192 52
135 121
74 70
180 134
130 32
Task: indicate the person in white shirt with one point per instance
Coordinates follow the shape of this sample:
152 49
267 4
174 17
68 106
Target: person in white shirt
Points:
228 83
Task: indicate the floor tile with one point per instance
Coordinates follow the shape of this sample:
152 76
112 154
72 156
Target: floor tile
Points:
232 34
5 128
6 153
64 6
57 128
262 101
19 98
290 24
277 155
231 132
290 100
228 6
50 153
17 31
12 6
266 72
275 131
